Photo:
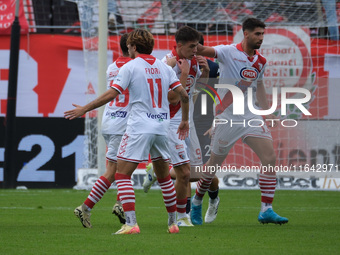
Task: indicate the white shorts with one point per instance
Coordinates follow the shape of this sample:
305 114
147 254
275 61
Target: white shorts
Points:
184 151
137 147
178 148
224 136
112 143
194 148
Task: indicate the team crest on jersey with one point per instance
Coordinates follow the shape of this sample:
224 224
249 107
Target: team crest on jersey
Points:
249 73
190 81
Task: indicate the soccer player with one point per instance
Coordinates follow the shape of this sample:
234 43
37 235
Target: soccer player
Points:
114 122
187 67
148 81
236 62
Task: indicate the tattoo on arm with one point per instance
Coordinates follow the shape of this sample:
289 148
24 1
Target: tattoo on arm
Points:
184 96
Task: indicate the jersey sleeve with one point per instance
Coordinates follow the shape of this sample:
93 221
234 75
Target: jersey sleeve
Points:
220 51
174 81
122 80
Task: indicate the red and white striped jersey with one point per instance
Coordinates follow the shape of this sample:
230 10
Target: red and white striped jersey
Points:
194 74
237 68
116 112
148 80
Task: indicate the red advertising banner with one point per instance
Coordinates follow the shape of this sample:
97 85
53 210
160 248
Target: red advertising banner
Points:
7 15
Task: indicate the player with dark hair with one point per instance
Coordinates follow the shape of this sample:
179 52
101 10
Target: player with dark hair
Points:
187 66
114 122
182 153
148 81
235 60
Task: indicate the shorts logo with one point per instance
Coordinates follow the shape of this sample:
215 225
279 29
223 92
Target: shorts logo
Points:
181 154
160 117
222 149
249 73
223 142
179 146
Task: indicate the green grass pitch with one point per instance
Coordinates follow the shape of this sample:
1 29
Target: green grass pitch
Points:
42 222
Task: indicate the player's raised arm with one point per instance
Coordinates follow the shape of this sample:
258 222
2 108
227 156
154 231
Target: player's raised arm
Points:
184 66
206 51
183 128
99 101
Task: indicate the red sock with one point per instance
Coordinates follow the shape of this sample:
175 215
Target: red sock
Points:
182 205
169 193
267 185
97 192
203 184
125 191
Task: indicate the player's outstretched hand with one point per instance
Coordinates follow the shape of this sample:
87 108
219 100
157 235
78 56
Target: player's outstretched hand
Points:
183 130
75 113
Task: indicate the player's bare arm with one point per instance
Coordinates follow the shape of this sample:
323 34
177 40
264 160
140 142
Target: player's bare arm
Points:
262 99
183 128
183 65
99 101
206 51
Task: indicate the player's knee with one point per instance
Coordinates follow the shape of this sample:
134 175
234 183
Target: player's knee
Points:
183 175
269 159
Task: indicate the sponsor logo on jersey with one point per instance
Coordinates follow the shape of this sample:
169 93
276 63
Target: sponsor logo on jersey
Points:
159 117
113 73
249 73
117 114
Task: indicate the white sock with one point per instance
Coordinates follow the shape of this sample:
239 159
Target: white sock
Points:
213 201
171 218
130 218
265 206
87 208
181 215
197 200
